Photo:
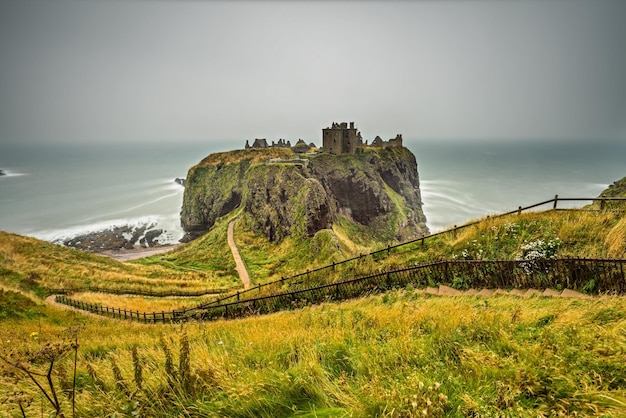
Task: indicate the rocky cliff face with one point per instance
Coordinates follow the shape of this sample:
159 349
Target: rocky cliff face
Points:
283 195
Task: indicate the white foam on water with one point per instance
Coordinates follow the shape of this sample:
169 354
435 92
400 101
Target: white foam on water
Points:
447 204
10 173
63 234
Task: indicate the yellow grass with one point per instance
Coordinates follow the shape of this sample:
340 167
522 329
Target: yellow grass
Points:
531 357
33 262
616 240
140 303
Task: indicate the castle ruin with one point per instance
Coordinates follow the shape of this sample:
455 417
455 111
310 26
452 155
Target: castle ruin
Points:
392 143
337 139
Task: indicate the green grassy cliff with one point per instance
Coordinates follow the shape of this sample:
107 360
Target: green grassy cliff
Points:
376 190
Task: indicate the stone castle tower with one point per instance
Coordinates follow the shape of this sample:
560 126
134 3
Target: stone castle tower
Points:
339 139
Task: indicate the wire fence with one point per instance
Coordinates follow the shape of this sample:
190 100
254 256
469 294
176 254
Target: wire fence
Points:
361 265
592 276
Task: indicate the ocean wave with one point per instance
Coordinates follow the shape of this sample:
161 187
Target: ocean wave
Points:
162 186
172 230
140 205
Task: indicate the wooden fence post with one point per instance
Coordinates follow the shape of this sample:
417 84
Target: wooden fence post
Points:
556 199
519 210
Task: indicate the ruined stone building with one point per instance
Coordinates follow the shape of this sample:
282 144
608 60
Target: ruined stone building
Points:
392 143
258 143
262 143
339 139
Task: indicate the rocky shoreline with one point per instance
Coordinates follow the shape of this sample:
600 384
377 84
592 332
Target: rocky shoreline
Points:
118 238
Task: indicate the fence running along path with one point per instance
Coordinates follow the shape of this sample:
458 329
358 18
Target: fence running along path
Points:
597 276
315 280
321 273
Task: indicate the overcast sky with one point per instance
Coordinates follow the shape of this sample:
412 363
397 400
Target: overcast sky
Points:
143 70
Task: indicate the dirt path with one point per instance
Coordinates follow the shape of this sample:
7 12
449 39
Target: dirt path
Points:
241 267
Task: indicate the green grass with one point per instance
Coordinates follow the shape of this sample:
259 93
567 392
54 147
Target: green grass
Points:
14 305
208 255
268 261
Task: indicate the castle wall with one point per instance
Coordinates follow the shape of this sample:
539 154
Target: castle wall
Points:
339 139
332 140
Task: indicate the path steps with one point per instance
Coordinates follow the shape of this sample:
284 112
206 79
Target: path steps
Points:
524 293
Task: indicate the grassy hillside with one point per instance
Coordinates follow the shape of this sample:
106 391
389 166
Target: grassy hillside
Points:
554 234
36 266
617 189
400 354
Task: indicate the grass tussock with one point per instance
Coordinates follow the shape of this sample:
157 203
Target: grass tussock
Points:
615 241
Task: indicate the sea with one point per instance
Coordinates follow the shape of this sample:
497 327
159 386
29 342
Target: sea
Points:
58 191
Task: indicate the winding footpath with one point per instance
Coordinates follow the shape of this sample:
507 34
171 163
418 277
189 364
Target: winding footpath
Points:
441 290
241 267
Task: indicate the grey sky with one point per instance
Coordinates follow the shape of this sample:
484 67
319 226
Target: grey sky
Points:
169 70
